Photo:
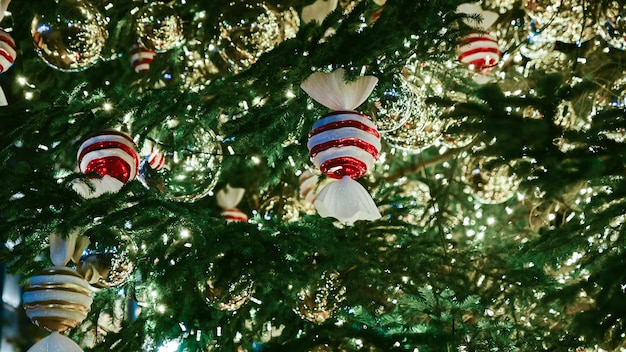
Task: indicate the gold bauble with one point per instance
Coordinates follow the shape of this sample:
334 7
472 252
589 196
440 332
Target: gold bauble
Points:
489 182
318 301
229 296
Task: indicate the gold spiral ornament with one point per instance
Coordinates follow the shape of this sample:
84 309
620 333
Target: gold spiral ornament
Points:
57 298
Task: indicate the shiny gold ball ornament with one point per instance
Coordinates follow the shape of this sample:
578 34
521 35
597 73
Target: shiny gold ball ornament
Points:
159 27
281 207
69 35
57 299
191 161
568 21
249 29
319 300
612 25
229 296
489 182
110 268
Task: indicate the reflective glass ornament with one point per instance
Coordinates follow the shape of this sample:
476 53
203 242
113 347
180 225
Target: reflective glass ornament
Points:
249 29
283 208
423 127
318 301
191 165
227 288
392 103
229 296
612 25
414 197
107 268
568 21
159 27
488 182
69 35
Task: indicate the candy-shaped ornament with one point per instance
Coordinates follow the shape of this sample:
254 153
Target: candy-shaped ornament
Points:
8 53
113 156
479 49
227 199
344 145
141 58
58 298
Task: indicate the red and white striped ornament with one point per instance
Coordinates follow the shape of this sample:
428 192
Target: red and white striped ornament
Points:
112 155
109 153
227 199
141 58
479 50
8 51
344 145
156 159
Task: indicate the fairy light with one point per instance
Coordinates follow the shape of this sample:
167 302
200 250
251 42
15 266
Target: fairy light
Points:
170 346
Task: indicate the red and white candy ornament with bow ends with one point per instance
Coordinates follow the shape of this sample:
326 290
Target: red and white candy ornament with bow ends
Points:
344 145
479 50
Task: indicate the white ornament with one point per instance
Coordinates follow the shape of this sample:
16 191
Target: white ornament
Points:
55 342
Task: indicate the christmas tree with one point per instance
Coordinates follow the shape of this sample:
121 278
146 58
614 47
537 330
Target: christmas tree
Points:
204 170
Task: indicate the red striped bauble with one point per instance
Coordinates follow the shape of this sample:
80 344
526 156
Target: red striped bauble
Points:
141 58
156 160
479 50
8 51
109 153
234 215
344 143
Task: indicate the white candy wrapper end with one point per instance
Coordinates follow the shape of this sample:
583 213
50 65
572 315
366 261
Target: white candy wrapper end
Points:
335 93
488 17
318 10
55 342
106 184
229 197
347 201
62 250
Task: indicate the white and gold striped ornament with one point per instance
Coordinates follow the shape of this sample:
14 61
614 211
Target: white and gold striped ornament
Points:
57 298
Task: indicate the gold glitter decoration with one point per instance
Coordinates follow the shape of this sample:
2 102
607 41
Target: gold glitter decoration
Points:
284 208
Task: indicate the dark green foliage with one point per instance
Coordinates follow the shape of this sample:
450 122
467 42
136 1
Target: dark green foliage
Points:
442 273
